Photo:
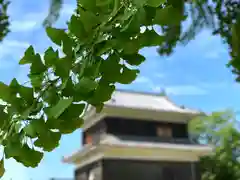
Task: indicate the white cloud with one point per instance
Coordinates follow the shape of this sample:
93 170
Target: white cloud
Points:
146 80
179 90
14 44
215 53
157 89
143 79
13 49
185 90
68 9
21 75
172 89
24 25
160 75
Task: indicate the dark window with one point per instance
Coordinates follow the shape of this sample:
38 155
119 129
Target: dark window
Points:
132 127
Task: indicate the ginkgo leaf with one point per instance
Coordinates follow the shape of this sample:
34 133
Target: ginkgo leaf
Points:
2 168
59 108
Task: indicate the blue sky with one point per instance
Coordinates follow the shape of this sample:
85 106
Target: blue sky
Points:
194 76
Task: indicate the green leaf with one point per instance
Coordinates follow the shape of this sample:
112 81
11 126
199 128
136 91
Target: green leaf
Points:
26 93
4 92
69 126
36 80
131 47
77 28
139 3
13 147
86 85
155 3
89 20
102 47
30 157
235 38
150 13
30 131
67 46
2 168
35 128
51 96
168 16
59 108
69 120
36 108
37 66
73 112
28 56
68 89
17 105
103 2
14 86
50 57
18 126
128 75
133 59
48 141
134 24
63 67
3 117
111 74
56 35
89 5
150 38
102 93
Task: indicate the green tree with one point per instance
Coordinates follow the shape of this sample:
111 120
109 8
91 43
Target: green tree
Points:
102 40
219 130
4 19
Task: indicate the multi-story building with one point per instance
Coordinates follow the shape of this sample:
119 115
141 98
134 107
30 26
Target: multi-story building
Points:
138 137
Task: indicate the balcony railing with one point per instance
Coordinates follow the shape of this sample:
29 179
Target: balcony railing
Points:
156 139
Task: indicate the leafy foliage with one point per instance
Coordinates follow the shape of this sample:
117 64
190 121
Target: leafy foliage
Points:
4 19
219 130
100 48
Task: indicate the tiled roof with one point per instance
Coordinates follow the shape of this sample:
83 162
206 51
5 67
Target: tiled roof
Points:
128 99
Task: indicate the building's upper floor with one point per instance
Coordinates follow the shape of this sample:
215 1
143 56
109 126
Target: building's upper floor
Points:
131 116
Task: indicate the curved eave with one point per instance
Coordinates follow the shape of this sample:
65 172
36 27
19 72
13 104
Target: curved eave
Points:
143 151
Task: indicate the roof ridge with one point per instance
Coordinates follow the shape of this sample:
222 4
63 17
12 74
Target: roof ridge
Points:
140 92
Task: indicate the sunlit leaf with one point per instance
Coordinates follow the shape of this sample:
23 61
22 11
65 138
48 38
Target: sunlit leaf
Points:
59 108
155 3
56 35
4 92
